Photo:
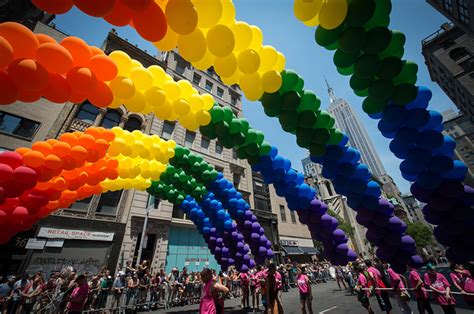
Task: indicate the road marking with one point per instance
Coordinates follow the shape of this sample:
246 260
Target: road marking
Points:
327 310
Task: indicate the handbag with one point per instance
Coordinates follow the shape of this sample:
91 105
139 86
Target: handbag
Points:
405 296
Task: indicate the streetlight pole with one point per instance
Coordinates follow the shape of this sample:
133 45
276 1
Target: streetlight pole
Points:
150 207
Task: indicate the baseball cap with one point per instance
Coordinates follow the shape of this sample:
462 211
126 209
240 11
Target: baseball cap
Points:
430 266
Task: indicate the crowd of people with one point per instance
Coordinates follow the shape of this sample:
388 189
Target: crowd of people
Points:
260 289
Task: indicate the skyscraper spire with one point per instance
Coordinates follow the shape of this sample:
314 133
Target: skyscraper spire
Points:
332 96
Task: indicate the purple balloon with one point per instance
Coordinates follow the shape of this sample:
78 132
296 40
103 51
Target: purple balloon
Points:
326 220
243 268
338 234
270 253
342 249
255 237
262 251
251 263
351 255
416 261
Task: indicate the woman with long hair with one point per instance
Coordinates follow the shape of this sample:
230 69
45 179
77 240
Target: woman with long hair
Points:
304 286
213 294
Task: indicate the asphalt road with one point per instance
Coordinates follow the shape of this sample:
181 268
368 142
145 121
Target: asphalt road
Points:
327 298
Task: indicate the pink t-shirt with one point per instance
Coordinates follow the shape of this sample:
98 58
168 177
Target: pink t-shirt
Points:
79 294
377 277
244 279
439 282
278 280
258 278
362 281
414 278
302 281
394 277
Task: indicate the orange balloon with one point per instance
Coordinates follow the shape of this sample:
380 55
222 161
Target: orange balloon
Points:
58 90
59 184
69 163
55 58
82 79
101 145
43 147
43 186
6 52
53 162
95 8
151 23
29 96
112 174
112 164
103 67
77 96
80 51
137 5
45 174
62 149
54 6
79 153
96 51
21 38
74 184
69 195
87 141
121 15
8 90
28 75
102 96
92 156
69 138
94 180
108 135
33 159
71 174
43 39
94 132
22 150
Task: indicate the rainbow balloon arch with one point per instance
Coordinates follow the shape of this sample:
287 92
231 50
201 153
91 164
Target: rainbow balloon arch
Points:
55 173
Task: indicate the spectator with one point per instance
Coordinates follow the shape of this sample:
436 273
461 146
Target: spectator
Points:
78 295
118 288
132 291
30 293
212 301
105 285
18 287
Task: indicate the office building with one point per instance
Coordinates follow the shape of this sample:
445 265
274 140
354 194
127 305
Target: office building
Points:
460 12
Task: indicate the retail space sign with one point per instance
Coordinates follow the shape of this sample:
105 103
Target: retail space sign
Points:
289 242
35 244
54 233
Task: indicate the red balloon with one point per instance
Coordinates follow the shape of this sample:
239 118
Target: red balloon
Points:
8 90
121 15
6 173
102 96
4 220
28 75
151 23
9 205
5 238
103 67
95 8
77 97
54 6
137 5
20 212
26 176
58 90
13 159
29 96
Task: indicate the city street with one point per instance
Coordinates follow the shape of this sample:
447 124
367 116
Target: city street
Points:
326 299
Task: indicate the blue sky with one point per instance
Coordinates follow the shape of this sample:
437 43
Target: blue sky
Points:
415 18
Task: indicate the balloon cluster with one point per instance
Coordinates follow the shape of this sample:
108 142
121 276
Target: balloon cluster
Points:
35 65
142 158
329 14
193 165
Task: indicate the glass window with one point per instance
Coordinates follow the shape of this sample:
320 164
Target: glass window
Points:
205 142
467 65
234 153
180 67
261 204
16 125
87 113
109 202
111 119
448 5
209 85
196 79
82 205
236 179
282 213
220 92
177 212
189 139
293 216
458 53
210 71
153 201
219 148
168 128
233 100
463 9
133 124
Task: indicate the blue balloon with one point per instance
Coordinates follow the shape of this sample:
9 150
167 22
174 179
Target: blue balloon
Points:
447 148
422 99
458 172
351 155
299 178
430 139
416 118
278 162
334 152
344 140
375 116
273 152
435 121
287 165
373 189
291 176
428 180
440 164
362 172
346 169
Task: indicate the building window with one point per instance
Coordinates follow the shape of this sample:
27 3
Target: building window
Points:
196 79
220 92
261 204
177 212
236 179
467 65
282 213
111 119
234 153
463 9
82 205
233 100
210 71
88 113
458 53
133 124
189 139
168 128
109 202
209 85
180 67
219 148
18 126
153 201
293 216
205 142
448 5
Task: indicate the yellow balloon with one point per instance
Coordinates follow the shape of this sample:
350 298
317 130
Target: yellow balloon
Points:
196 103
225 66
172 90
123 62
209 12
136 64
155 96
243 35
306 10
186 89
203 117
248 61
208 101
268 58
137 103
220 40
118 131
313 22
159 75
116 103
169 42
142 78
164 111
251 86
228 13
271 81
281 62
192 47
257 38
233 79
205 62
182 16
332 13
148 109
122 87
181 107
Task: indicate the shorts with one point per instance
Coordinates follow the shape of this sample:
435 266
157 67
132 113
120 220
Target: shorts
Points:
304 297
383 301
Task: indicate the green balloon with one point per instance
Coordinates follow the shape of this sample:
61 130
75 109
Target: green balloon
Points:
304 137
352 40
251 136
260 137
381 90
346 71
320 136
309 101
404 94
272 112
208 130
222 128
325 37
228 114
367 66
334 46
381 15
245 125
307 118
203 166
359 83
323 119
344 60
213 174
217 114
253 160
300 85
288 119
396 44
179 151
317 149
184 159
270 100
373 105
359 12
335 137
378 40
362 93
252 149
227 141
265 149
238 138
235 126
289 128
195 166
408 73
290 100
390 67
331 122
289 80
303 142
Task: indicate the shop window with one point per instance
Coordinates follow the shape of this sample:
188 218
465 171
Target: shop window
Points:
82 205
205 142
196 79
293 216
108 203
88 113
219 148
282 213
220 92
458 53
463 9
189 139
111 119
209 85
19 126
168 128
133 124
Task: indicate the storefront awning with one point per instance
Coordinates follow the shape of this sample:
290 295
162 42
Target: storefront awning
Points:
292 250
309 250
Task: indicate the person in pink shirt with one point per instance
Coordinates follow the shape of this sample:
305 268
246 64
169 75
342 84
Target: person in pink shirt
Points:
400 294
421 295
463 280
375 277
211 302
256 287
304 286
78 295
441 289
245 283
361 286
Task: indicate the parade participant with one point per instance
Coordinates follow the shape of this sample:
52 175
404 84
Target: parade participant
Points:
78 295
463 280
375 277
398 286
340 277
441 289
363 287
421 295
211 301
245 284
273 285
304 287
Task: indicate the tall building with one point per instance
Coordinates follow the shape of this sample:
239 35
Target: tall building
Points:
449 56
461 129
348 122
414 208
460 12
